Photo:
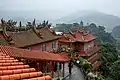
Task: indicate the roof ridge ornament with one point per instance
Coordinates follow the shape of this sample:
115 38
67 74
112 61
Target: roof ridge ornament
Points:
4 25
83 38
38 32
67 37
83 32
20 24
72 33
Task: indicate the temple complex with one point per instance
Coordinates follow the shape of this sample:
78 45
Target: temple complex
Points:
84 44
35 49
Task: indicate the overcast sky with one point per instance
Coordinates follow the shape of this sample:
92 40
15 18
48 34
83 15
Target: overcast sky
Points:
61 7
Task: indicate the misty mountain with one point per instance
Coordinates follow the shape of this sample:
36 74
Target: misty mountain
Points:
116 32
99 18
88 16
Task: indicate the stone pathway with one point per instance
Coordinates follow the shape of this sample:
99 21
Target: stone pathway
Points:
76 74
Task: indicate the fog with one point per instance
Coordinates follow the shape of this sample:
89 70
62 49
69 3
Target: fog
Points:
59 8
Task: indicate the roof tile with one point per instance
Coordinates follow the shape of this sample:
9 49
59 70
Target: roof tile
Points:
78 37
10 70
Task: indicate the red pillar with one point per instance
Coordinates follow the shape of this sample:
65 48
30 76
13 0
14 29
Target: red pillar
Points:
45 67
38 66
52 69
63 69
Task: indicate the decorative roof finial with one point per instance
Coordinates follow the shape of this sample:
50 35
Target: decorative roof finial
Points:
72 33
34 23
20 24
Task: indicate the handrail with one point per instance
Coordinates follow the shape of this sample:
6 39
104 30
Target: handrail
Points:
66 77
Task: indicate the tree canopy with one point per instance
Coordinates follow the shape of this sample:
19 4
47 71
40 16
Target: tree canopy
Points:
110 62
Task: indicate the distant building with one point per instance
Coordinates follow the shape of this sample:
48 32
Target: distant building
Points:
85 45
59 33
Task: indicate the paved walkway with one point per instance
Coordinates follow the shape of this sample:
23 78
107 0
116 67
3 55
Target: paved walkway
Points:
76 74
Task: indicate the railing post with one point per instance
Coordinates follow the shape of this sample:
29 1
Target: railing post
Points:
52 69
38 66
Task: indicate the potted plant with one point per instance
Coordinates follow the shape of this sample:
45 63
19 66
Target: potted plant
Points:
58 78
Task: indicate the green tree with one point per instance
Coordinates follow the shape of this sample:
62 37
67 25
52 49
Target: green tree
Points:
115 70
110 62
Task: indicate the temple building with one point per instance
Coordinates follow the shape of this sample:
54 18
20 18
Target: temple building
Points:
84 44
35 38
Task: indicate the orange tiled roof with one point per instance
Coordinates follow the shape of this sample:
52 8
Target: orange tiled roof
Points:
78 37
12 69
65 55
23 53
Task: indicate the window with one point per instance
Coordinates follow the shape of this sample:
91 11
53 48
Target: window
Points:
29 48
89 46
54 45
43 47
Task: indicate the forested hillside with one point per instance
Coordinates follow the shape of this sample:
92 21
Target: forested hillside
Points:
99 18
110 62
116 32
98 31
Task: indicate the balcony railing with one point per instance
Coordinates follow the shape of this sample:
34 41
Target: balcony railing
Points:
95 49
94 57
96 65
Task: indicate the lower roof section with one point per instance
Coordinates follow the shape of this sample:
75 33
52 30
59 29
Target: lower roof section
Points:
12 69
96 65
94 57
35 55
